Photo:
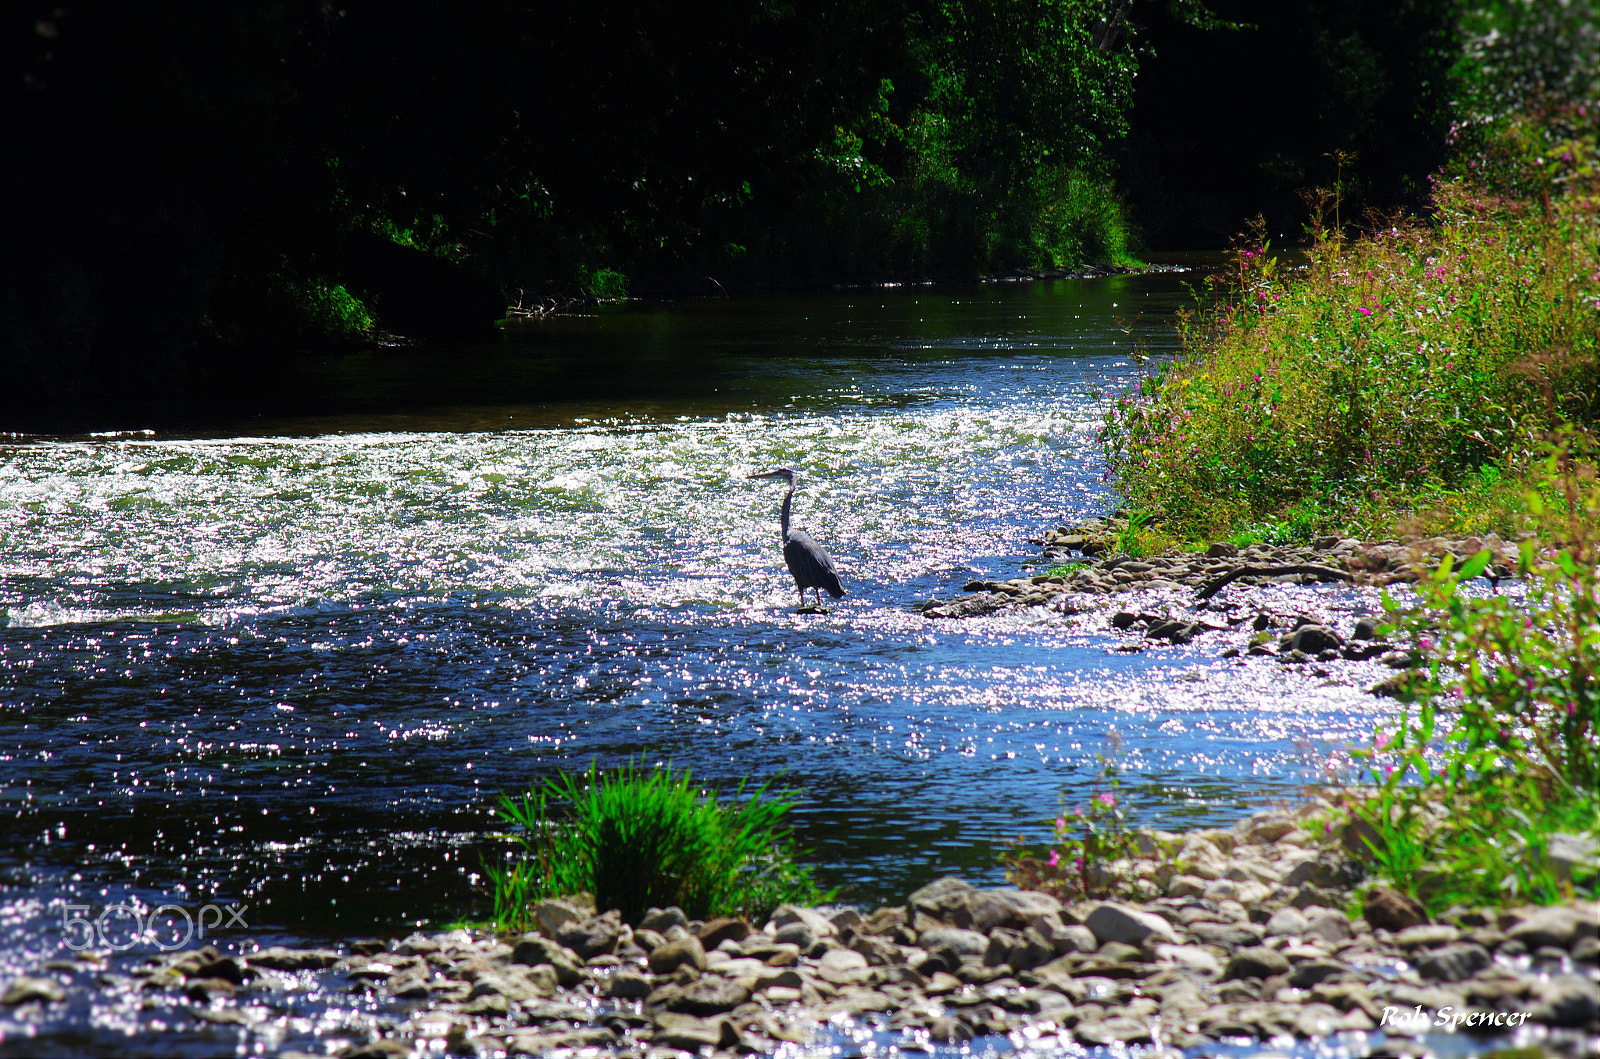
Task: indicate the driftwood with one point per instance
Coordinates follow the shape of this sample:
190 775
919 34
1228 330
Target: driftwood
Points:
1326 573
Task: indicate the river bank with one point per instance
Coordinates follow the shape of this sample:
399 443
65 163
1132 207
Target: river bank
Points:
1223 934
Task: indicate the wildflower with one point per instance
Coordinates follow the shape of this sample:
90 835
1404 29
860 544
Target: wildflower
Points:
1384 743
1107 799
1077 864
1055 857
1061 823
1364 311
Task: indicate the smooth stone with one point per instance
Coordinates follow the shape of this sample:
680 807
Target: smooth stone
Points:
1453 963
1392 910
1330 925
1255 962
549 1042
591 937
1558 925
1010 907
1191 957
819 924
1567 1000
662 920
670 955
963 942
709 996
553 913
1286 921
843 967
692 1033
278 958
628 983
26 988
1113 921
716 931
948 899
1316 971
1426 936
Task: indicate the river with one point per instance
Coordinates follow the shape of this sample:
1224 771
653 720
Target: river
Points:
286 661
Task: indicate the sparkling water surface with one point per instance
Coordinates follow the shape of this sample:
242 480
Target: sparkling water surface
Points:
289 661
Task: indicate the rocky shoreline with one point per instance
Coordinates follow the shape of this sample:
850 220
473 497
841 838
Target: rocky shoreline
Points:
1217 936
1179 598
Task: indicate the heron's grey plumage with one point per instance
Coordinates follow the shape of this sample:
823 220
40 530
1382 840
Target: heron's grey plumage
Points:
806 560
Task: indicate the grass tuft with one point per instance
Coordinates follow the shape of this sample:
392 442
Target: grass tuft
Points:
637 838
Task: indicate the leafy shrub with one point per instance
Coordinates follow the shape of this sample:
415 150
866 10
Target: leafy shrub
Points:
640 838
1511 700
1384 376
1088 841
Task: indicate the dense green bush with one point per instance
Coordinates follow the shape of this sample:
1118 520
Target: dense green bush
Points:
638 838
1391 373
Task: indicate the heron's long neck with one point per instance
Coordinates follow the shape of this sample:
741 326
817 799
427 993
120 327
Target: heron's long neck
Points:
783 516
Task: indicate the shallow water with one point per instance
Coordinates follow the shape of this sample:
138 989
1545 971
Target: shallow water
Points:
288 663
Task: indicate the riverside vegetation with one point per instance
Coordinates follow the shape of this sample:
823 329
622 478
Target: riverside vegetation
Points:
1435 376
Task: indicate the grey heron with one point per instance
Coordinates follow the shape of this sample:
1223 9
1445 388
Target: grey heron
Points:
807 561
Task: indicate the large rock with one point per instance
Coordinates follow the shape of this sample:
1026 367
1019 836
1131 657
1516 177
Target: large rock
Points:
691 1033
716 931
670 955
1010 907
948 900
1313 639
1454 963
27 988
1255 962
591 937
1287 921
962 942
1558 925
278 958
1113 921
710 996
818 924
1392 910
843 967
1567 1000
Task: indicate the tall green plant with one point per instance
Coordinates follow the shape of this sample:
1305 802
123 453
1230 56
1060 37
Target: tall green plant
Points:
1506 730
638 838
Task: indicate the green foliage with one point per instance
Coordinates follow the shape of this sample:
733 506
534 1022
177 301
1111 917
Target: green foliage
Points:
636 838
1517 54
606 285
1088 841
1503 750
1383 378
289 309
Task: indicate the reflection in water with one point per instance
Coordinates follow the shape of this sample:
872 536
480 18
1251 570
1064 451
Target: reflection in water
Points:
292 669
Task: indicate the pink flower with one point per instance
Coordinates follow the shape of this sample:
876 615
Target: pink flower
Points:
1364 311
1055 857
1107 799
1061 823
1384 742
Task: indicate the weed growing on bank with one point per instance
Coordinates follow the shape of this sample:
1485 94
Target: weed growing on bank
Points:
1489 790
1088 841
637 838
1407 373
